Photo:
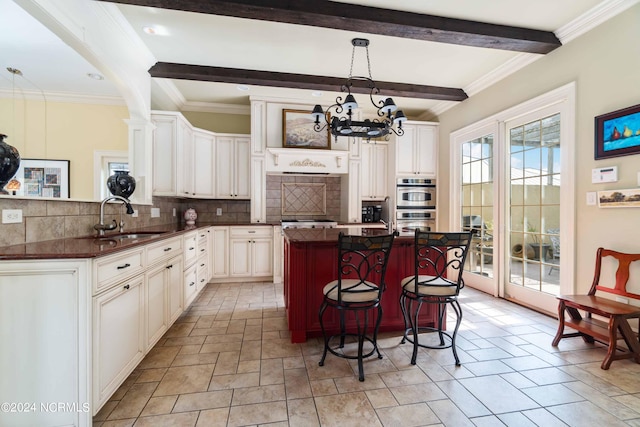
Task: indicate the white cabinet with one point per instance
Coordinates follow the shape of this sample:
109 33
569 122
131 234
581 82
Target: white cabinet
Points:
220 252
174 278
156 304
416 150
258 191
171 135
203 164
233 174
251 251
190 246
278 254
118 341
374 171
190 288
351 199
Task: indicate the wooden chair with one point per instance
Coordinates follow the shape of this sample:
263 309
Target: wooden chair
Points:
617 312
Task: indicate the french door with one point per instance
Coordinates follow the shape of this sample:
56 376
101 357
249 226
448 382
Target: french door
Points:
514 175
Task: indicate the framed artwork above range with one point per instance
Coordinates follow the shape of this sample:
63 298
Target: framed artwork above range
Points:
298 131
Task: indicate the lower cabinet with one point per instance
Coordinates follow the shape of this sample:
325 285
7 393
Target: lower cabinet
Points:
251 251
163 298
118 337
220 252
190 285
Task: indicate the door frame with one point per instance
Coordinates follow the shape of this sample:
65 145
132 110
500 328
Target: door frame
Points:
564 99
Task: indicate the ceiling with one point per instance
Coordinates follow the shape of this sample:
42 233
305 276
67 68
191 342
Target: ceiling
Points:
231 42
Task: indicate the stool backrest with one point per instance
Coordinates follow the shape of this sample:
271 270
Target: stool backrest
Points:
363 259
440 257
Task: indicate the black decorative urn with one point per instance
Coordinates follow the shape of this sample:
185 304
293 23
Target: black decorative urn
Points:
9 163
121 184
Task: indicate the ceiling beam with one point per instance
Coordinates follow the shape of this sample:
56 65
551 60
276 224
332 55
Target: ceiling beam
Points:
370 20
298 81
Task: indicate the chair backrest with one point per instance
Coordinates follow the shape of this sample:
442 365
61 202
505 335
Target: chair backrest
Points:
617 285
555 240
362 259
440 257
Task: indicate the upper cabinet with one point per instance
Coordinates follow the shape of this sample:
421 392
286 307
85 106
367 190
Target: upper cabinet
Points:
374 171
233 162
416 150
191 162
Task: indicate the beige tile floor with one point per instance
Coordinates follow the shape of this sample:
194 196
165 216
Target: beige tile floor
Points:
228 362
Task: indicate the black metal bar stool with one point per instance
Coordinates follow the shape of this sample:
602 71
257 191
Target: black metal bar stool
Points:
362 264
439 263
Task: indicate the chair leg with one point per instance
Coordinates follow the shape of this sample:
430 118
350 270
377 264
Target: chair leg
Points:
560 332
458 310
323 307
375 331
441 314
405 316
342 328
415 329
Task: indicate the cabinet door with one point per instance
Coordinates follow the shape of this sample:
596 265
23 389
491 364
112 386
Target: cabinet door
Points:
224 167
220 252
184 164
366 186
190 287
262 257
242 178
190 244
258 191
203 148
240 259
118 340
425 151
164 155
175 284
375 170
156 302
354 203
404 152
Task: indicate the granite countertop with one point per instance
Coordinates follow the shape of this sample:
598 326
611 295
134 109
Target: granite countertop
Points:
330 235
92 247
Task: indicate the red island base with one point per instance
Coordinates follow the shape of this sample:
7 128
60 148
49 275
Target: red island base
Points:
311 261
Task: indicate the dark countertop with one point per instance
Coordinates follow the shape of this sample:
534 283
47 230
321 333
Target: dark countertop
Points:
330 235
91 247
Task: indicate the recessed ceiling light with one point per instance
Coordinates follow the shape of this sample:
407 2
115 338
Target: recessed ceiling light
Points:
243 88
316 93
149 30
155 30
95 76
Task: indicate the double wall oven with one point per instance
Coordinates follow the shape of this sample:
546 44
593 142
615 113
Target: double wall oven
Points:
415 205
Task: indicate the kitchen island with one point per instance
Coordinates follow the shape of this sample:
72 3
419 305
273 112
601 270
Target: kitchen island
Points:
311 261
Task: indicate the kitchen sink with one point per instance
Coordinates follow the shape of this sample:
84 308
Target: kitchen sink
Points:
138 235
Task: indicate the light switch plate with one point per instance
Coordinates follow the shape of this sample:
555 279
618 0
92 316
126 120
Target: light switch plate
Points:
218 211
155 212
11 216
135 213
592 198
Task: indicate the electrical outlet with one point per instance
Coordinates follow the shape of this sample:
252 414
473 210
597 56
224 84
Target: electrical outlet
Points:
135 213
219 211
11 216
155 212
174 211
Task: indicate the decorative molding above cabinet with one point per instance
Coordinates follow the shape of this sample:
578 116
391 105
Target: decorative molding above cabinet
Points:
305 161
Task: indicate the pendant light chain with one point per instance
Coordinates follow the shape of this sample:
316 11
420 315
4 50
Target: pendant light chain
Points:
353 55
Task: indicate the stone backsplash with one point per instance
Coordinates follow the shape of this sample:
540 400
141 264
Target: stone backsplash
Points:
302 197
49 219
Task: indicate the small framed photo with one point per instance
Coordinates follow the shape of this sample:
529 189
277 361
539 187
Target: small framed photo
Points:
298 132
618 133
619 198
43 178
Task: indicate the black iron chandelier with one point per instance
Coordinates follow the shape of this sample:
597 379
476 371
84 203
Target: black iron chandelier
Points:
346 126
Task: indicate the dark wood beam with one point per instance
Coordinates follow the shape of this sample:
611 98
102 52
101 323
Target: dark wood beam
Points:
298 81
370 20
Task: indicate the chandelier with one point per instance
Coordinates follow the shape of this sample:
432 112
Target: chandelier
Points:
346 126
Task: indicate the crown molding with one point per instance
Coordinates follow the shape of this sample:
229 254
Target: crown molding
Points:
73 98
592 18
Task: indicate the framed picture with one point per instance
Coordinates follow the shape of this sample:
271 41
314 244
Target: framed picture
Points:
298 132
619 198
43 178
618 133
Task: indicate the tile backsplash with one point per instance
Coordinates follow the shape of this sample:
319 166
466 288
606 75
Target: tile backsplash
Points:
302 197
50 219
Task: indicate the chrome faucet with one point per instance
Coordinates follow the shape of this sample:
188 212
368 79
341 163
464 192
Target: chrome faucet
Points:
102 227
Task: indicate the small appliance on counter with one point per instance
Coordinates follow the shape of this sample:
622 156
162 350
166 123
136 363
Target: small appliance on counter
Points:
372 213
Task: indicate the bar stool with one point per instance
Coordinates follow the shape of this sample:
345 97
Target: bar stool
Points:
362 264
437 280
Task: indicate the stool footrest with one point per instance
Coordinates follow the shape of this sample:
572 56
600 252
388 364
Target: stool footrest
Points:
408 334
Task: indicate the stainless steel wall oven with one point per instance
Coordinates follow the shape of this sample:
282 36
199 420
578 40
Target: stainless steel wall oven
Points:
415 205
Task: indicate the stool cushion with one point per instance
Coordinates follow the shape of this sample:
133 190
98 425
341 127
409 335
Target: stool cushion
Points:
369 291
436 287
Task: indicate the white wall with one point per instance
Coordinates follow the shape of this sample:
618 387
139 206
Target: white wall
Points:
604 63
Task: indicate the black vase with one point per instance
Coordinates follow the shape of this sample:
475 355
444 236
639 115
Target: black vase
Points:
9 163
121 184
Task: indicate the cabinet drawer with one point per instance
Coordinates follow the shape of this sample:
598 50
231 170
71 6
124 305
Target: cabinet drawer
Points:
190 248
163 250
203 236
111 269
203 261
241 232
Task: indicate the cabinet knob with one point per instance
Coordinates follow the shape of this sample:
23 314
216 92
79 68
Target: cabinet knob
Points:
192 283
121 267
170 266
126 286
167 249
